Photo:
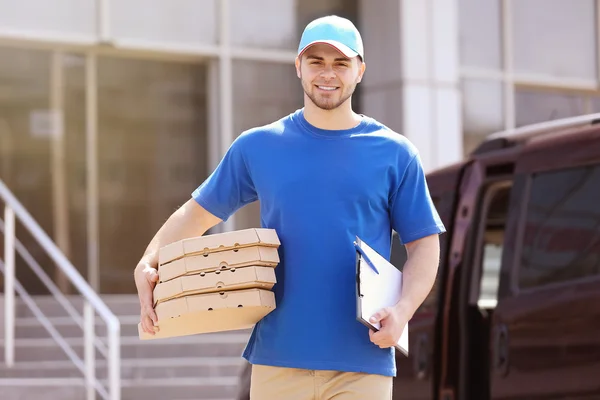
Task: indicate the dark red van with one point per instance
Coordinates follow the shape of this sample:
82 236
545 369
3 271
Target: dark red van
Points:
515 312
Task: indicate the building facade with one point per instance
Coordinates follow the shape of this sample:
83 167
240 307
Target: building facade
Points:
112 112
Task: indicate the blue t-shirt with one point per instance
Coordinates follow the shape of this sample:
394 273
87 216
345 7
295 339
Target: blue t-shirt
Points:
319 189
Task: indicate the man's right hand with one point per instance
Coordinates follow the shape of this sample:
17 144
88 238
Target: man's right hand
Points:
145 280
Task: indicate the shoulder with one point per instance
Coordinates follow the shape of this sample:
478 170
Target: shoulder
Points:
398 144
257 136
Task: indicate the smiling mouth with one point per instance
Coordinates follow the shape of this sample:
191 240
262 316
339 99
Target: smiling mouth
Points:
327 88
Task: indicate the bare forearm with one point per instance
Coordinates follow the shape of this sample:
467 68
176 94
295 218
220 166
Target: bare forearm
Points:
419 274
190 220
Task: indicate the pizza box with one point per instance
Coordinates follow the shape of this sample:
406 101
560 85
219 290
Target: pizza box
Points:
211 312
222 260
218 242
215 281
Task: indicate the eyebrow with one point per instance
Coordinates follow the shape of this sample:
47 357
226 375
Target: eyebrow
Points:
321 58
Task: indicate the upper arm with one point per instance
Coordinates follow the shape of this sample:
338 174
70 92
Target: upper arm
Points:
428 244
201 217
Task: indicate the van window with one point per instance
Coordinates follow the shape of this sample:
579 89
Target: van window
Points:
491 242
561 241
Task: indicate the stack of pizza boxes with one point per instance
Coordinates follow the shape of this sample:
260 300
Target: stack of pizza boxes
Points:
215 283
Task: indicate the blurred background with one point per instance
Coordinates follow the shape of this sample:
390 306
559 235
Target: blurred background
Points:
113 112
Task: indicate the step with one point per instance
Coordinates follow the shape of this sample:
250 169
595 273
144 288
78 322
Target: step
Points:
133 369
206 345
27 390
31 327
73 389
119 304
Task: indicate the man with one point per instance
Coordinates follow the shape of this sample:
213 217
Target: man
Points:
324 175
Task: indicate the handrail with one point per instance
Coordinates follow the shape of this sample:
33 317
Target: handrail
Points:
14 208
54 290
52 330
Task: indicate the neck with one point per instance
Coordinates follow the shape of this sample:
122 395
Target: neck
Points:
342 117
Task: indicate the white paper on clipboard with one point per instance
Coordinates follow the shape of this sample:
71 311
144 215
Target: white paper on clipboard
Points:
378 285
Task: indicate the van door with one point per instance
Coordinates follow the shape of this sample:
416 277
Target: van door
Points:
545 340
448 355
417 374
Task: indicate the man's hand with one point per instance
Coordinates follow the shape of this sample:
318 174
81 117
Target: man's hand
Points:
392 325
145 281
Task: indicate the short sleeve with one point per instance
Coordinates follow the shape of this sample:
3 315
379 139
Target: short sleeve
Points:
413 213
230 185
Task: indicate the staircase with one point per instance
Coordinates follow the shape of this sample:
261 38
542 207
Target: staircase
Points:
198 367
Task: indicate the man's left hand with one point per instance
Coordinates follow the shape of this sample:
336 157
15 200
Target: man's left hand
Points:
392 326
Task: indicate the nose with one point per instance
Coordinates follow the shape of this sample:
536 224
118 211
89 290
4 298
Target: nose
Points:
327 72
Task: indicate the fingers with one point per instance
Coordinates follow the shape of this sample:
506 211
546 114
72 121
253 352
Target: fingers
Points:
381 338
148 325
152 275
149 319
380 315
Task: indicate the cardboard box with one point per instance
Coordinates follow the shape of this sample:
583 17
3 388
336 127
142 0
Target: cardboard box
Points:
212 312
216 281
218 242
238 258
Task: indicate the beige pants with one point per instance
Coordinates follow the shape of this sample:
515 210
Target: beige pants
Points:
275 383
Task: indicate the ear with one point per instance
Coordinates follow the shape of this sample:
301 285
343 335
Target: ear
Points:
362 67
298 72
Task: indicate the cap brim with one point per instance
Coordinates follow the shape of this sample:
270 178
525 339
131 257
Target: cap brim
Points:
342 48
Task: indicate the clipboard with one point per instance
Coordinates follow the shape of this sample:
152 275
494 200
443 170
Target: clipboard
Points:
378 285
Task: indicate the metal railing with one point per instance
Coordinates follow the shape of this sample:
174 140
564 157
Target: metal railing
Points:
92 303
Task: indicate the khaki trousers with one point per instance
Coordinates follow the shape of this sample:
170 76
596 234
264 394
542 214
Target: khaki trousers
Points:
276 383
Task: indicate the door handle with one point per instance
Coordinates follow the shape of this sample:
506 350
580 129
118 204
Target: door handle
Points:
501 361
421 363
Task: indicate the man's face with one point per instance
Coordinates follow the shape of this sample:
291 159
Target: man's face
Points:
328 77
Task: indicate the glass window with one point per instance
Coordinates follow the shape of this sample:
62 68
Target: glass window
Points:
480 33
562 230
186 22
151 152
43 18
532 106
555 37
44 169
25 148
496 205
483 110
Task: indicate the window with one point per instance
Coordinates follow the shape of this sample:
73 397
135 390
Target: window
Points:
152 123
491 242
562 232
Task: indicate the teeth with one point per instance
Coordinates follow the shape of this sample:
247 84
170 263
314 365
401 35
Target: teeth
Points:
327 87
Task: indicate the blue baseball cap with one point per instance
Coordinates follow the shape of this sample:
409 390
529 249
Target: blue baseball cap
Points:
335 31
